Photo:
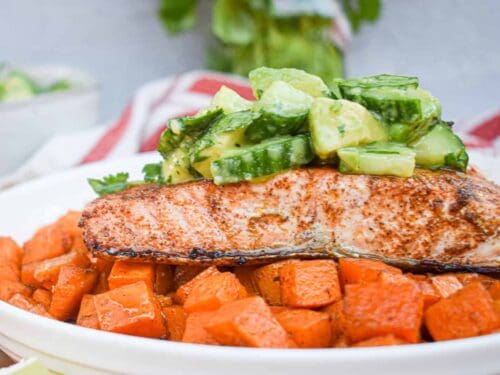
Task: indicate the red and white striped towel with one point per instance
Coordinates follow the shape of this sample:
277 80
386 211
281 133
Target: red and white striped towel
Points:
143 120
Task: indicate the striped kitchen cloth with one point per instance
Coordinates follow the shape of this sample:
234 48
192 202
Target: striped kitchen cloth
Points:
142 121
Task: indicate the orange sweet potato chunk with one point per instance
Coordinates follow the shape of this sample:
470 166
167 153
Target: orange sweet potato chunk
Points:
494 290
28 304
183 292
247 322
175 318
124 273
246 277
87 315
309 284
195 331
307 328
466 313
101 286
8 288
183 274
10 252
386 340
429 293
446 285
46 272
49 241
131 309
353 270
69 224
43 297
213 292
267 281
72 284
383 307
337 321
9 271
164 279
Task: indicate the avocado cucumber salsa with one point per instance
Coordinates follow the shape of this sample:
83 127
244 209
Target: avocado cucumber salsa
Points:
378 125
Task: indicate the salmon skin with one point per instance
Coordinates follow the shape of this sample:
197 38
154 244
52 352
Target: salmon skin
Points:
433 221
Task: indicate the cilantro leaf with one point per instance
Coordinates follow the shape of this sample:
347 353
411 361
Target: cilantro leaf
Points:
109 184
152 172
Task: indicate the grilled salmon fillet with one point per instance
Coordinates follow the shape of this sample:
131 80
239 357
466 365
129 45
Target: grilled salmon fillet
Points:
435 221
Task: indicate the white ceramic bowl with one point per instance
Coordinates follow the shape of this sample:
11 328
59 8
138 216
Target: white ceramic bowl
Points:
26 124
71 349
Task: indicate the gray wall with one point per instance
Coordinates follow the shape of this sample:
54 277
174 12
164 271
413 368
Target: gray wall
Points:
452 45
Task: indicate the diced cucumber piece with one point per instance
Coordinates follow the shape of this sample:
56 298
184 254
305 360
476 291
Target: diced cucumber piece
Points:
441 148
340 123
264 159
390 159
228 132
283 111
377 81
229 101
176 168
262 78
178 128
414 106
16 87
399 132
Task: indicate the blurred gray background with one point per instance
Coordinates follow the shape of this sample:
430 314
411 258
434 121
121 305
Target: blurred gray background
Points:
452 45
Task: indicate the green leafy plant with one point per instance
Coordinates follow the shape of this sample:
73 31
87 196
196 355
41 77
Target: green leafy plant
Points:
252 33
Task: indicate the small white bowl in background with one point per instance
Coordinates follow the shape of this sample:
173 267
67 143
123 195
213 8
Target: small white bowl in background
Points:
26 124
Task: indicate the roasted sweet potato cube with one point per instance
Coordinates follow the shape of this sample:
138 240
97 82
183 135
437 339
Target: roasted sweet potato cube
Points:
46 272
10 252
383 307
183 292
164 279
9 287
131 309
49 241
69 224
124 273
429 293
246 276
28 304
446 285
309 284
28 275
195 332
267 280
386 340
337 320
164 301
213 292
494 289
354 270
9 271
247 322
468 312
101 286
175 317
183 274
101 265
307 328
43 297
87 315
72 284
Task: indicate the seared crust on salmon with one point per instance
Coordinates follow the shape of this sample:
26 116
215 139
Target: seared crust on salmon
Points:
432 221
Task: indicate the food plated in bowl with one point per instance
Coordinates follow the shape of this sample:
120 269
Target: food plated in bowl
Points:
333 242
73 349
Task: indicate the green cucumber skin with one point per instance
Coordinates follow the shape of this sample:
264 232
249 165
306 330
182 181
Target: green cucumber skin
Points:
176 168
441 148
377 81
401 110
178 128
269 125
263 159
